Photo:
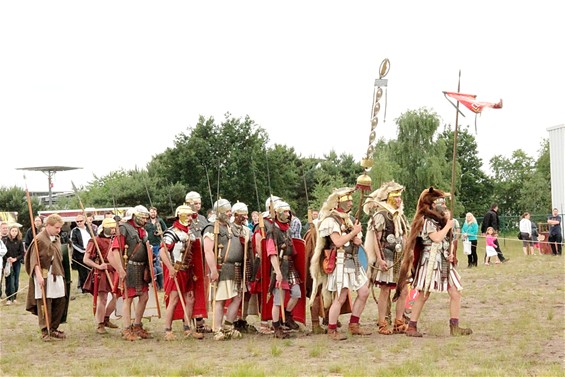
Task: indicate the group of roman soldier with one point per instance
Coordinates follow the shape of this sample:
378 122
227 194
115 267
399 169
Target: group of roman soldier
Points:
224 267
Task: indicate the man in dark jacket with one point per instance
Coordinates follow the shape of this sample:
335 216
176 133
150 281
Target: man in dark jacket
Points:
491 220
80 235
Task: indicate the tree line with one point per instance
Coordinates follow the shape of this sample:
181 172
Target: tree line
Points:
231 159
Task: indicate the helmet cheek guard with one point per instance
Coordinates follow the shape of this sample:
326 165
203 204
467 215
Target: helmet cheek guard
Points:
282 212
222 207
140 215
185 214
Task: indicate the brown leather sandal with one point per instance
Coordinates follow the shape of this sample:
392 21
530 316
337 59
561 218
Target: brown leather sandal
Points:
383 328
400 326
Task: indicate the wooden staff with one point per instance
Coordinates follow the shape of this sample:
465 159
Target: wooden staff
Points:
215 285
150 256
181 298
244 283
281 291
36 248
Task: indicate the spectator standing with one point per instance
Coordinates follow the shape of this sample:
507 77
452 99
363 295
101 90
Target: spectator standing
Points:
90 223
491 219
3 252
555 234
79 238
526 233
155 228
254 220
4 236
314 220
14 256
38 224
469 232
295 227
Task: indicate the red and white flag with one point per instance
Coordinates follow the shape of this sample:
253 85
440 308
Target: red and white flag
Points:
470 102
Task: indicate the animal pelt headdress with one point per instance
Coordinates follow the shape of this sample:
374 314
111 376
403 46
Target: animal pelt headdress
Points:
413 245
318 275
376 202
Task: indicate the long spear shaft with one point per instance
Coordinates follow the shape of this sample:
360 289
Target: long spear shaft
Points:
209 186
256 189
147 191
36 248
453 165
215 285
92 236
244 279
182 302
123 254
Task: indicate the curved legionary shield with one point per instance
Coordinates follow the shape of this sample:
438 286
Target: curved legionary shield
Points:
201 281
363 258
255 279
299 311
300 266
266 295
199 284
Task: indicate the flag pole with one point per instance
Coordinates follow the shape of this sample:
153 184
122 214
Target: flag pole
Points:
452 204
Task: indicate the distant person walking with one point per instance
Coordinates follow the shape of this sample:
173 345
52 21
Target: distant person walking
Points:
491 219
555 234
490 239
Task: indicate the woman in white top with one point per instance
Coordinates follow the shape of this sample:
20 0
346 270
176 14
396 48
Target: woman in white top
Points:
526 233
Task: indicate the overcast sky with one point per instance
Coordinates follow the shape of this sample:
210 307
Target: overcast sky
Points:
104 85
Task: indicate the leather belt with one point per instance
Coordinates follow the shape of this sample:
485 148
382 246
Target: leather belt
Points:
181 266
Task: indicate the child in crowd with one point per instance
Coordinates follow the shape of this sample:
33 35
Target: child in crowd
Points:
490 246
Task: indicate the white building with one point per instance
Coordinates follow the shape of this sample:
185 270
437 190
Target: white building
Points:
557 166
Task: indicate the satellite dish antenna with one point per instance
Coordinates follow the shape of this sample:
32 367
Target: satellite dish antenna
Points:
50 172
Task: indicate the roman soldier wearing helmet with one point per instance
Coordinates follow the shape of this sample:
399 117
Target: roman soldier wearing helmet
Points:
194 200
281 254
430 260
239 218
102 276
386 237
335 263
183 259
256 285
131 245
224 256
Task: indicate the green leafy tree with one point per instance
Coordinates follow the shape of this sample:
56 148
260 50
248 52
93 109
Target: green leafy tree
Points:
535 193
509 176
473 187
420 155
13 199
217 160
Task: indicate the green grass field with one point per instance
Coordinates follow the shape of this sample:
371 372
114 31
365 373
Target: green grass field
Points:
516 311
